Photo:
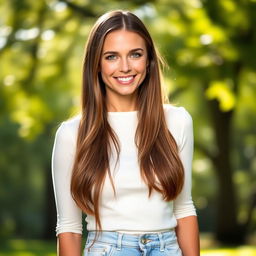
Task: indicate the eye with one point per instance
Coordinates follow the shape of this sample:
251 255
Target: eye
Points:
111 57
136 55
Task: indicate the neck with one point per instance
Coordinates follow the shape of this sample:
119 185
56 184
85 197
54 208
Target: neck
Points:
125 105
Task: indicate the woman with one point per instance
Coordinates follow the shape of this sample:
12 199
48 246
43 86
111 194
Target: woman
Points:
126 160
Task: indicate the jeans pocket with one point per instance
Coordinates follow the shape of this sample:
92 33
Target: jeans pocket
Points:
98 249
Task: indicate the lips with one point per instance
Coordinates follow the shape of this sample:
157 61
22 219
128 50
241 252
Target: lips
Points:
125 79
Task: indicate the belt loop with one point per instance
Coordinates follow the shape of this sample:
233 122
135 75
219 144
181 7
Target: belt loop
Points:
162 243
119 241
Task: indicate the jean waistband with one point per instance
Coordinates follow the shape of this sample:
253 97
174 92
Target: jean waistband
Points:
158 239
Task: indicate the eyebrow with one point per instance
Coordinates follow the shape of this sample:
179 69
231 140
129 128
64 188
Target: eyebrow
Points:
133 50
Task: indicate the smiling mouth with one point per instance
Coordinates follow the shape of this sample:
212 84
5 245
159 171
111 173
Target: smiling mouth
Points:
125 79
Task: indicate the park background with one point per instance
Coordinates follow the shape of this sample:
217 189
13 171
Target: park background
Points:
210 49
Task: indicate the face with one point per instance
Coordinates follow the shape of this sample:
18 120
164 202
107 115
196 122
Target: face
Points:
123 65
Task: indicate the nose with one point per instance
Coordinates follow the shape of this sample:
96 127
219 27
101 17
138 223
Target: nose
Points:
125 65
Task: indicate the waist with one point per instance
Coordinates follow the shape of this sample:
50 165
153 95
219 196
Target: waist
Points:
119 239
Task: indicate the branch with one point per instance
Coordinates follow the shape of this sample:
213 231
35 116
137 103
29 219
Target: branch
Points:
86 12
205 151
27 81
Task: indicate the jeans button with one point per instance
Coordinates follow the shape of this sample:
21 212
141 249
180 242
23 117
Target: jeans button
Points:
143 240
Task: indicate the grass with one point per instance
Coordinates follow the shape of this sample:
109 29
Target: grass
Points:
238 251
209 247
43 248
18 247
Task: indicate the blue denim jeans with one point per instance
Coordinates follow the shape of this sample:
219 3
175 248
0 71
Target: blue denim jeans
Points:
121 244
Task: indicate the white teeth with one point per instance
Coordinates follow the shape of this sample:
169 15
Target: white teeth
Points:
125 79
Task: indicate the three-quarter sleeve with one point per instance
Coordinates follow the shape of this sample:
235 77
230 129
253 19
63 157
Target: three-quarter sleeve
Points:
69 215
183 204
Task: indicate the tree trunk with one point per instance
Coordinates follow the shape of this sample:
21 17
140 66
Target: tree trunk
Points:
50 210
228 229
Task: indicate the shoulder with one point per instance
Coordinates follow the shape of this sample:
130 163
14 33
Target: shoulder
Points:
178 121
68 129
73 123
177 115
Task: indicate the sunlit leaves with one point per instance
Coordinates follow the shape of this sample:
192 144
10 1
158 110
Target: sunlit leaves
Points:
221 91
30 113
243 250
229 8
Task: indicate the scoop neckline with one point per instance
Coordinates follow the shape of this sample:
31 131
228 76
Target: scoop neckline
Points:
122 112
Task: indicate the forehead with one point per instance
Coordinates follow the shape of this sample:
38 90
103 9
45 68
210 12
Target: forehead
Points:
121 40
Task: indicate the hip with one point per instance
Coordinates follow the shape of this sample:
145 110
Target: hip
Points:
112 243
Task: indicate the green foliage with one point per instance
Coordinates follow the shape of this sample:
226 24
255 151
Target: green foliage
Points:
28 248
210 49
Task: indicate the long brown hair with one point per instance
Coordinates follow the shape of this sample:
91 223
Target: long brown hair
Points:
160 165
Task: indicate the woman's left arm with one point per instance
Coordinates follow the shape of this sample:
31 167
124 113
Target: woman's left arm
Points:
184 210
188 236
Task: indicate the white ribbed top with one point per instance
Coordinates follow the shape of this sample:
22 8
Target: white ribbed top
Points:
131 210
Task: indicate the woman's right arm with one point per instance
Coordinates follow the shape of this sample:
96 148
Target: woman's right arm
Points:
69 244
69 215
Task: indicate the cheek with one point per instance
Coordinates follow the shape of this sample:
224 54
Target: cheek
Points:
141 66
108 69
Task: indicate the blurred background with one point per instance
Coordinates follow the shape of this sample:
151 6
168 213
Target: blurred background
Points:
210 48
